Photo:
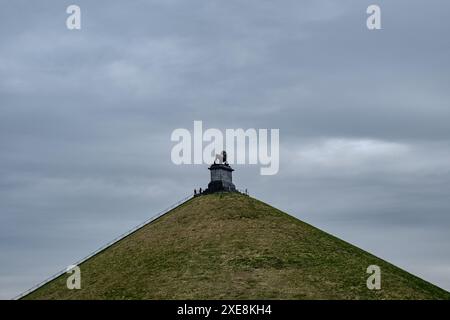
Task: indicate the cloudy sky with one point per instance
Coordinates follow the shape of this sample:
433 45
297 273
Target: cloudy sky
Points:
86 118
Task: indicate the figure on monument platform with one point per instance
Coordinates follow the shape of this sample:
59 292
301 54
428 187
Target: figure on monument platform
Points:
222 158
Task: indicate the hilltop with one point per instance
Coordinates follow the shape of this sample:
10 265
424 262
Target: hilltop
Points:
231 246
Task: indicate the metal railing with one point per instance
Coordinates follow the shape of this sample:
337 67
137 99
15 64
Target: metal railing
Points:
115 240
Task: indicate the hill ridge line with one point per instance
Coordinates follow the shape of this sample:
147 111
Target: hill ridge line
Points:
107 245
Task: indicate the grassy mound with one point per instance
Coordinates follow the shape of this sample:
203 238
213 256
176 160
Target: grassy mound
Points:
230 246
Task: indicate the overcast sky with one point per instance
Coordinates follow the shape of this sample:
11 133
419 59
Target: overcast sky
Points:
86 118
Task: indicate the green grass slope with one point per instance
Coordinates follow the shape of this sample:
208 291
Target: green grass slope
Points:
230 246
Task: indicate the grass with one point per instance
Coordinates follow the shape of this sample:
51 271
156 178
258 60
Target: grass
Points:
230 246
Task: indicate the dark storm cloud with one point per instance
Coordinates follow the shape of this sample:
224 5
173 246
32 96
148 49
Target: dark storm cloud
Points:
86 118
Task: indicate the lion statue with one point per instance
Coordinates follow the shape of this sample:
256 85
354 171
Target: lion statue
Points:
221 158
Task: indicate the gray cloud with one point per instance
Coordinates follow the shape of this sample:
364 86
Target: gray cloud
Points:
86 119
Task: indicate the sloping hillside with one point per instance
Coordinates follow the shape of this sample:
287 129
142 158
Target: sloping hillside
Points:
231 246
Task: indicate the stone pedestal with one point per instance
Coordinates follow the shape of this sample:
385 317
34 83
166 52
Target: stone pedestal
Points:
221 178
